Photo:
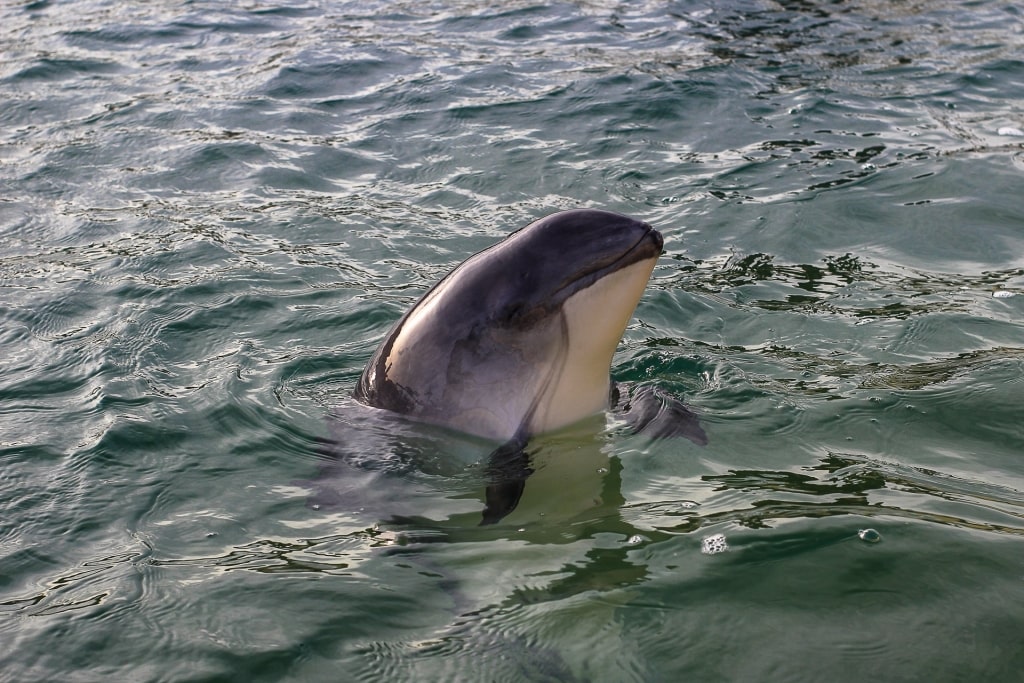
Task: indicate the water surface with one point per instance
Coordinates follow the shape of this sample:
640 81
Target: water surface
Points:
211 214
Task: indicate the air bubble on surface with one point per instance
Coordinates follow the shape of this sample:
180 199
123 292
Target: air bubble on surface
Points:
712 545
869 536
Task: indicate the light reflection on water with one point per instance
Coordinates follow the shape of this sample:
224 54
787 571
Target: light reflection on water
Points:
211 214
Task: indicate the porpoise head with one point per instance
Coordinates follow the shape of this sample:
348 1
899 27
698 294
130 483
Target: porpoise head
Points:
519 338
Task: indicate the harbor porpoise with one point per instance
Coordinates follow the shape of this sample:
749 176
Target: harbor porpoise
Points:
518 340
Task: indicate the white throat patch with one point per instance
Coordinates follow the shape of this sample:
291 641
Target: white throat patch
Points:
595 319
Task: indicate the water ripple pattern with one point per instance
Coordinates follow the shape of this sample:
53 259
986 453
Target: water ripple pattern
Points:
210 213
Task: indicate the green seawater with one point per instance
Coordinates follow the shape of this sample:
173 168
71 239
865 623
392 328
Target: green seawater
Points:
211 213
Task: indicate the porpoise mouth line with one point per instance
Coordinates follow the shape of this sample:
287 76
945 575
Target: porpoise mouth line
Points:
627 258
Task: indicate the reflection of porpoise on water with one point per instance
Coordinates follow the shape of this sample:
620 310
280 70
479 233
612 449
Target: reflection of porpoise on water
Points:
518 341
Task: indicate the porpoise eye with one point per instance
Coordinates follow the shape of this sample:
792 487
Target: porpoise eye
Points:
512 312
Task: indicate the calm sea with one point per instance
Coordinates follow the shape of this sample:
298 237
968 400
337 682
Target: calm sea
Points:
211 212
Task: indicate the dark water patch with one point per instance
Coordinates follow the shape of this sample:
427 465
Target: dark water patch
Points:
873 586
127 36
317 556
470 651
801 41
61 69
849 285
215 166
317 80
191 29
857 482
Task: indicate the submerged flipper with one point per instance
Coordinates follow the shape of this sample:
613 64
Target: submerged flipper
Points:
657 414
508 467
647 409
